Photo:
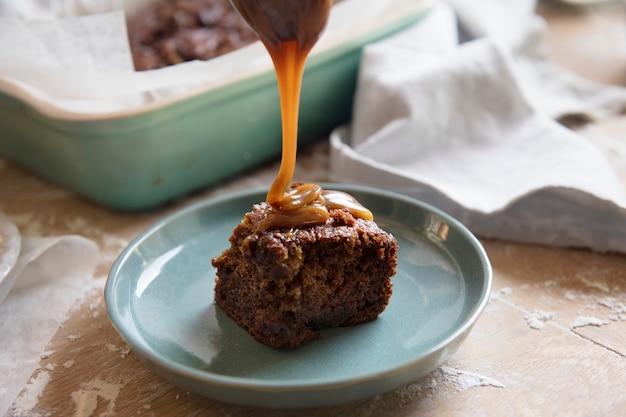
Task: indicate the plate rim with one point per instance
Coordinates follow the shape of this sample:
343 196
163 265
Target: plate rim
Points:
289 385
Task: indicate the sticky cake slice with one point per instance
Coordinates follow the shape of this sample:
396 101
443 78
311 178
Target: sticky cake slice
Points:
282 285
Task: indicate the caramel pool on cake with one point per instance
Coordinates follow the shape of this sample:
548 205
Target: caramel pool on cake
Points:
306 258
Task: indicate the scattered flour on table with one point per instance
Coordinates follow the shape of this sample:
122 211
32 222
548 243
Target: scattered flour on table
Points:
442 384
416 389
27 400
124 350
537 319
616 306
30 347
95 305
551 283
46 354
601 286
582 321
466 380
111 245
28 224
74 337
87 397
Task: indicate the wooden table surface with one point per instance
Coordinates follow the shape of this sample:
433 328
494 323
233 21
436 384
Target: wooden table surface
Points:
525 355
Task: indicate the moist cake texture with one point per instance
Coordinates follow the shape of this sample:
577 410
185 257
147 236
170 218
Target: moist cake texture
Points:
282 285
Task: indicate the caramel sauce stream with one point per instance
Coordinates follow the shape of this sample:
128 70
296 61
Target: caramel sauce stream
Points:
289 29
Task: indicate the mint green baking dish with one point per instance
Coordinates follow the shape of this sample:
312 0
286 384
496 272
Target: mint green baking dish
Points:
143 158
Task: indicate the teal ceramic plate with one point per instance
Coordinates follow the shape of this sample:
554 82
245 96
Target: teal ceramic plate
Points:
159 297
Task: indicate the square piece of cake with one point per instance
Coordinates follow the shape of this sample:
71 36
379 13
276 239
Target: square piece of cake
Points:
282 285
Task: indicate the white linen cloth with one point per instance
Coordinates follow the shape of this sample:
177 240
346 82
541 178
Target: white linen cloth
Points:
49 275
468 127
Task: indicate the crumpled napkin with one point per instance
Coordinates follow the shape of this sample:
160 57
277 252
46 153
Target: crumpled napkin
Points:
469 127
49 275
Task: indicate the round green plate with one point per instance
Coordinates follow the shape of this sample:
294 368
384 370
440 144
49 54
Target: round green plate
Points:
159 297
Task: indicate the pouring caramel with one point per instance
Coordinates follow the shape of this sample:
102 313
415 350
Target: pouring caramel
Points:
289 29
